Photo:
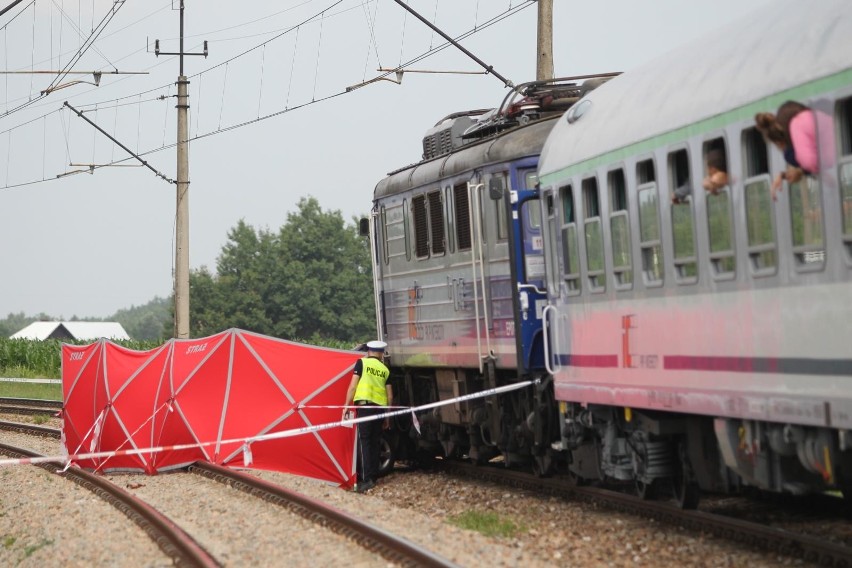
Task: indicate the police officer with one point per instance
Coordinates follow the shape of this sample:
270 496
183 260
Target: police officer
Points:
370 392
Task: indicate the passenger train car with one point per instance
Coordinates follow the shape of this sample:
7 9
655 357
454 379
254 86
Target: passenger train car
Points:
704 344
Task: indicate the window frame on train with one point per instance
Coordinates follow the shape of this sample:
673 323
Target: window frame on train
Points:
593 235
570 265
719 209
649 230
761 234
684 245
843 114
620 237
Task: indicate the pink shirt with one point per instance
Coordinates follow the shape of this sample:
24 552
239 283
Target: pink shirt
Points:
804 133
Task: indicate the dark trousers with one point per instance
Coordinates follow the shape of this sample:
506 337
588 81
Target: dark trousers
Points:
369 443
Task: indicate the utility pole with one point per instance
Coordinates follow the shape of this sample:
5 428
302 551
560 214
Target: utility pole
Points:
181 268
544 57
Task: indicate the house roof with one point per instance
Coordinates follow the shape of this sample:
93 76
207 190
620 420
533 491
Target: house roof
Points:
80 330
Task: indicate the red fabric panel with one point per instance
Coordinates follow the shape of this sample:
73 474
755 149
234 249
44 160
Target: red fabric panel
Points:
84 392
231 386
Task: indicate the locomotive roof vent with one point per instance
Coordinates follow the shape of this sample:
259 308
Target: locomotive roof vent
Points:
446 136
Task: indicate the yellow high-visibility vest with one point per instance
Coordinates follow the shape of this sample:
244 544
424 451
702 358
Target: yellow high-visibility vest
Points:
371 385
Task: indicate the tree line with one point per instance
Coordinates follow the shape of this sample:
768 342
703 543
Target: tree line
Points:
311 281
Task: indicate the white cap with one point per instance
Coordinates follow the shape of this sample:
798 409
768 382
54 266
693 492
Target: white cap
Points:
376 346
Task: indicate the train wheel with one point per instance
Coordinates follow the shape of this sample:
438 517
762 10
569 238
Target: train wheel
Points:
646 491
543 465
575 480
386 457
684 487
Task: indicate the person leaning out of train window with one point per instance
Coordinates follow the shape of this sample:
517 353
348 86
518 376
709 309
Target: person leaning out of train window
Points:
717 171
803 135
371 394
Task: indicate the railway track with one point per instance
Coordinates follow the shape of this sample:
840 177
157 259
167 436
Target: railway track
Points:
179 546
783 542
172 540
29 406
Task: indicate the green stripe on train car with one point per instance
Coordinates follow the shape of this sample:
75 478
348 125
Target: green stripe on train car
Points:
717 122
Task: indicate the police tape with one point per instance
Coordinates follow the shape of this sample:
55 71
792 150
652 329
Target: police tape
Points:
246 442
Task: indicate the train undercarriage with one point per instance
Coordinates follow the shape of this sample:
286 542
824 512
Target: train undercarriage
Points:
658 454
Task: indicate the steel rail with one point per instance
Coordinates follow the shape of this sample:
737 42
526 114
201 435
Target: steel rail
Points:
37 402
171 539
391 547
33 429
781 541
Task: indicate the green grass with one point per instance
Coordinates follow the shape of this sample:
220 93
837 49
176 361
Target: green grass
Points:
30 390
9 541
29 550
488 524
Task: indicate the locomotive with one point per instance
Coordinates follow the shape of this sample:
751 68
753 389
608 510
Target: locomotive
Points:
678 345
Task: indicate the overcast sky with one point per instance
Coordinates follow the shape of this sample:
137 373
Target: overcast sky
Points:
91 244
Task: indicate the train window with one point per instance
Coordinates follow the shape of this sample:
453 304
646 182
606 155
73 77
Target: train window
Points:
570 245
500 209
759 205
436 222
384 221
755 156
619 227
421 227
760 227
720 215
462 216
645 172
807 224
649 235
593 234
683 225
530 181
844 115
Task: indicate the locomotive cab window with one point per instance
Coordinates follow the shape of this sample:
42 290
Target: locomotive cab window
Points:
759 205
720 214
619 227
570 245
649 224
844 118
593 235
683 225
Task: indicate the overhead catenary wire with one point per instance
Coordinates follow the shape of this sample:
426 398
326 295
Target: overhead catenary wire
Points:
222 125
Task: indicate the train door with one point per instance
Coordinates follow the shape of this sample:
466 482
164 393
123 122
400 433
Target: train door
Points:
528 268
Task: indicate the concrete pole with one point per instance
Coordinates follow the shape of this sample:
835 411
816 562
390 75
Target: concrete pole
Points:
544 57
182 214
